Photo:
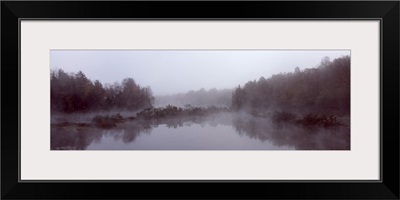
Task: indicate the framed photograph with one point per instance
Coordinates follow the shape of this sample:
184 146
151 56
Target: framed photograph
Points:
290 96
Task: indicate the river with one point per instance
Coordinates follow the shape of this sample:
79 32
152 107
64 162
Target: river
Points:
216 132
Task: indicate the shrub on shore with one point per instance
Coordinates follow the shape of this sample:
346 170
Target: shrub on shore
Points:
107 121
174 111
310 120
318 120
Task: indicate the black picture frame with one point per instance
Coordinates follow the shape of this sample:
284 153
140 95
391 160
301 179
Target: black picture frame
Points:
386 11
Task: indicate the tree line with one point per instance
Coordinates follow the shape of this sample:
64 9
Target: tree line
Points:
202 97
74 92
324 89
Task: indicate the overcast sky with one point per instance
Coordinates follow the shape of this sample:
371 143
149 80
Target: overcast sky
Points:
171 71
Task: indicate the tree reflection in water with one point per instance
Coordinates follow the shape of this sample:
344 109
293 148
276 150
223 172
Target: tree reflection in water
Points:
300 137
280 134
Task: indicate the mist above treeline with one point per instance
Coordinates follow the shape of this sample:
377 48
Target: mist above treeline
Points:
324 89
201 98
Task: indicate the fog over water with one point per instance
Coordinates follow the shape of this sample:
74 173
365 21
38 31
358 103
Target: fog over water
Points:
179 71
200 100
224 131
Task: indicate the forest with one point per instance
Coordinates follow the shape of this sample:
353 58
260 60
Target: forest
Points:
313 96
324 89
74 92
306 109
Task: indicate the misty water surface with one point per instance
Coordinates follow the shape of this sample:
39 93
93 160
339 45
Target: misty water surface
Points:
216 132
